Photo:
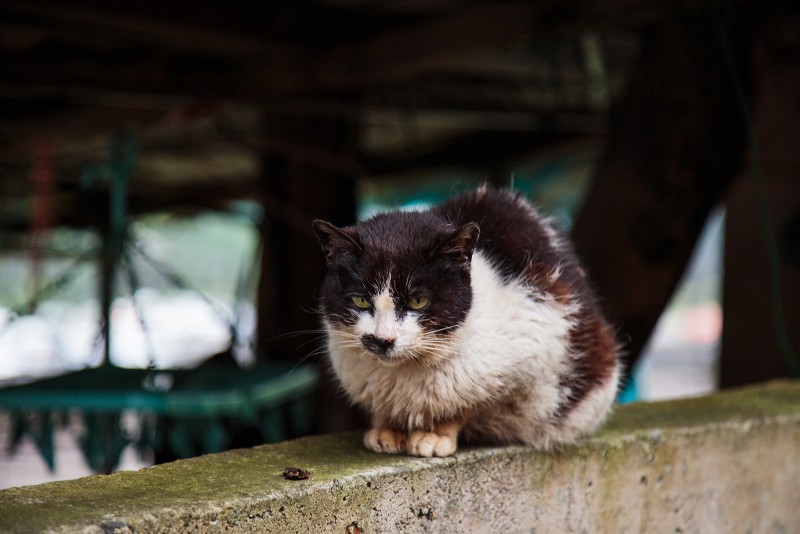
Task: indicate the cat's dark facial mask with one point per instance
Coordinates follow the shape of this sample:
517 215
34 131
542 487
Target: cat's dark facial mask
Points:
396 284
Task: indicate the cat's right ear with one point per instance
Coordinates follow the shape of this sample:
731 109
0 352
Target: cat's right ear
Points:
460 244
334 241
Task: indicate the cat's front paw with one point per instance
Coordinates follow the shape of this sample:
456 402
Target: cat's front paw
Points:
429 444
385 440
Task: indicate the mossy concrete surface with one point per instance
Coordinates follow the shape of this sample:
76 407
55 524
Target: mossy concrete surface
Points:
725 463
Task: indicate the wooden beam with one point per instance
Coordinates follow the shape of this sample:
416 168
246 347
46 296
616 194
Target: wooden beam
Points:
407 54
208 27
761 283
674 149
477 152
170 56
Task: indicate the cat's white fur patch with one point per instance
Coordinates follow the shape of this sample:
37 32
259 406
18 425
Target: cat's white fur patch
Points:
383 323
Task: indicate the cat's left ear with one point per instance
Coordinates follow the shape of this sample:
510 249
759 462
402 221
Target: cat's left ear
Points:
334 241
460 244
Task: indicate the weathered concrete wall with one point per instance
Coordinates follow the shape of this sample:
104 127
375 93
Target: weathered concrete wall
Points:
725 463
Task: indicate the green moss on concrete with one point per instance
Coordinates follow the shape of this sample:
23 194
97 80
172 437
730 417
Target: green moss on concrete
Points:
774 398
232 475
339 462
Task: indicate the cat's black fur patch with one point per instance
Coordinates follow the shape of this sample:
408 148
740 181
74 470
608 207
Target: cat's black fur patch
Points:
421 254
511 236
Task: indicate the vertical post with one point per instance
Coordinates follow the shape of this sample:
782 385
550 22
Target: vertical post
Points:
43 178
675 146
107 271
307 174
303 179
122 157
761 338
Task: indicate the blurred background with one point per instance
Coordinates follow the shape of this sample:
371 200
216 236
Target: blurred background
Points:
160 166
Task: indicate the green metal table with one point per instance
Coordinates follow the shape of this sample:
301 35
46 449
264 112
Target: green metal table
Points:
182 413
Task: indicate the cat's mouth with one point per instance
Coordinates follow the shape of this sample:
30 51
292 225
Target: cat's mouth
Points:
383 350
377 345
385 359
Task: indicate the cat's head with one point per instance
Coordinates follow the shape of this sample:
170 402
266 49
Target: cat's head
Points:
397 284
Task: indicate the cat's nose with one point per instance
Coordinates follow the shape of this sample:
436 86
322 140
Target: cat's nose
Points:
376 345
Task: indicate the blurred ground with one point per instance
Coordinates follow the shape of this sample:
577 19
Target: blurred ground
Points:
26 465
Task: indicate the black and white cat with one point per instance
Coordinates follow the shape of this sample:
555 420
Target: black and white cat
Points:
473 319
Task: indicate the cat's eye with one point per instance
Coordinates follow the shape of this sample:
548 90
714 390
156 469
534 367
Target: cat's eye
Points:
361 302
417 303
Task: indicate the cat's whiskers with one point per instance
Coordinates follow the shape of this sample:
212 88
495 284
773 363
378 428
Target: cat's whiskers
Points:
351 344
298 333
443 329
431 350
318 335
316 352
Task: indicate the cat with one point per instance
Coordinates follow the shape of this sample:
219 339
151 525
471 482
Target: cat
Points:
472 319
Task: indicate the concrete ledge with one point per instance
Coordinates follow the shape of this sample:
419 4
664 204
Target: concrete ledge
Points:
725 463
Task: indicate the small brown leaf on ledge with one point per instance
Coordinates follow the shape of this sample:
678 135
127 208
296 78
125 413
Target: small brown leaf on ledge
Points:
295 473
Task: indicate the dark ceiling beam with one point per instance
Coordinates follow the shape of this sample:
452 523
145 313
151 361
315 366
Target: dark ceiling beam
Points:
172 57
404 53
407 54
478 151
73 207
87 96
220 29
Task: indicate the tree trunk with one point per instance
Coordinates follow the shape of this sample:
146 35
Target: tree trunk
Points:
305 177
675 146
761 332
